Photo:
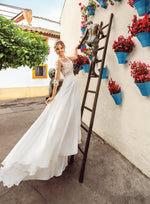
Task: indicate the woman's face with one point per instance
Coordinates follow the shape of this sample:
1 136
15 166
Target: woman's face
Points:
60 50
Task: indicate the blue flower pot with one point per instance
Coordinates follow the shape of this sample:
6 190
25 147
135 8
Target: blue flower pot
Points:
122 57
144 38
117 98
91 57
104 75
83 46
86 68
142 6
144 88
90 11
83 30
81 67
102 4
117 0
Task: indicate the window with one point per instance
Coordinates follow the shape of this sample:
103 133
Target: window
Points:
40 72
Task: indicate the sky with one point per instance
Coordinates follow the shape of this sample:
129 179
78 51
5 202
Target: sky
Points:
50 9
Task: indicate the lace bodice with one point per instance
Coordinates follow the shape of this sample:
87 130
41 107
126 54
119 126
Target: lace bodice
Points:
66 69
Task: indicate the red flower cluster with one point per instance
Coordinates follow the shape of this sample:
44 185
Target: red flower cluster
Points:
130 2
113 87
110 1
83 23
140 72
84 49
88 51
140 25
81 60
123 44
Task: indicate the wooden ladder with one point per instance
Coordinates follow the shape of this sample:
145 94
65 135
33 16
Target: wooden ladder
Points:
96 93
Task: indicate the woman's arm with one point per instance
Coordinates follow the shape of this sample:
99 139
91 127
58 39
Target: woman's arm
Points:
75 54
56 81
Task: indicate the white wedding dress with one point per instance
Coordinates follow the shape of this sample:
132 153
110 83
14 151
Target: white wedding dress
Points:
44 149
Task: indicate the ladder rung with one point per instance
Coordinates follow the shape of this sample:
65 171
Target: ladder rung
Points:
105 26
101 48
97 61
91 91
80 149
104 36
93 76
88 108
84 127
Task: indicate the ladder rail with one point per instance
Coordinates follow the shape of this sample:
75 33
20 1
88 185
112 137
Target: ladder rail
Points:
94 105
88 82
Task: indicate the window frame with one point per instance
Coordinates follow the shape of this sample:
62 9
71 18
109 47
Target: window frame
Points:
33 69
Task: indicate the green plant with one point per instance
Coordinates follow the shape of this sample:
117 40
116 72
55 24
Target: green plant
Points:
20 48
88 51
92 4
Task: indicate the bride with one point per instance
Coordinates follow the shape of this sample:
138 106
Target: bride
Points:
44 149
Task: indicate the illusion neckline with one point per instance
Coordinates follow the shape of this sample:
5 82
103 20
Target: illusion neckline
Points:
66 61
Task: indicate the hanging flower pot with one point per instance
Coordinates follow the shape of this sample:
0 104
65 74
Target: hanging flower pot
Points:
144 38
91 10
142 6
122 47
83 48
117 98
102 3
144 88
83 30
104 75
121 56
86 68
91 57
115 91
141 74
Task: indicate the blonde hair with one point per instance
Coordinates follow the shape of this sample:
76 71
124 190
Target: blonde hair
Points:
59 42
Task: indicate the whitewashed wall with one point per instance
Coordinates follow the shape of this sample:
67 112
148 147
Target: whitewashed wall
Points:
22 77
125 127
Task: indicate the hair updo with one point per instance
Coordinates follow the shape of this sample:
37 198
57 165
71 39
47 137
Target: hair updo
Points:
59 42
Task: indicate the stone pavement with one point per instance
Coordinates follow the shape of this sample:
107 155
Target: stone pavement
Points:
109 177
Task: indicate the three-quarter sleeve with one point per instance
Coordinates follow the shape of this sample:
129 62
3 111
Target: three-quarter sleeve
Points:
57 73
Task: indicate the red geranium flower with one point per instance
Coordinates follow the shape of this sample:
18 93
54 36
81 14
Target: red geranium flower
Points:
140 71
139 25
123 44
113 87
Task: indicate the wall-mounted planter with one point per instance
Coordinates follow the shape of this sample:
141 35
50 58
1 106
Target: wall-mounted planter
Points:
117 98
102 4
91 57
83 30
91 11
144 38
144 88
82 48
121 56
86 68
142 6
104 75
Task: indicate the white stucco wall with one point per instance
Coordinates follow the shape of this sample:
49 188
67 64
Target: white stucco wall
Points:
22 77
125 127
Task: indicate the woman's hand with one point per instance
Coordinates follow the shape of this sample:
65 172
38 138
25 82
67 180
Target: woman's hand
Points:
77 47
49 100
